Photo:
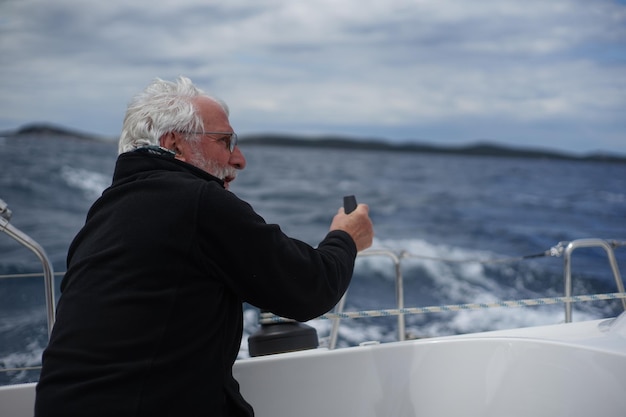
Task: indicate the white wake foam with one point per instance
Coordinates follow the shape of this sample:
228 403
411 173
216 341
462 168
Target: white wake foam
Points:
90 182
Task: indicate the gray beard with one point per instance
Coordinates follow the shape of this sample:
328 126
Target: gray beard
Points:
211 166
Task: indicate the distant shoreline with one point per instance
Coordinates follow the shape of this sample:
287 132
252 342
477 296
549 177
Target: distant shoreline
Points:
44 129
476 149
338 142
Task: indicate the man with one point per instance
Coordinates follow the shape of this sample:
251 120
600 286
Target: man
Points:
149 322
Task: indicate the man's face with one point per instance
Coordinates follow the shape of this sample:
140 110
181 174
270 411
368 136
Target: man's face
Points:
210 152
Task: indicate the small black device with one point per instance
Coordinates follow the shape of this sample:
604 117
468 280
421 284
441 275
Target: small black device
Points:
349 204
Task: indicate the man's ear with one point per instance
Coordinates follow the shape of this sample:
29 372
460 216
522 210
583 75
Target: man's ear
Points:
172 141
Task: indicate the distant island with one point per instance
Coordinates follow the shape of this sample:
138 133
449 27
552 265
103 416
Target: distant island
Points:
477 149
46 129
337 142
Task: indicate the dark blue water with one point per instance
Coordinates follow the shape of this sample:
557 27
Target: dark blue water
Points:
439 206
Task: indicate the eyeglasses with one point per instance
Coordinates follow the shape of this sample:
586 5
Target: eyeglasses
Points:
229 138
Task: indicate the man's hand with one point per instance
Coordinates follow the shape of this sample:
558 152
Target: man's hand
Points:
357 224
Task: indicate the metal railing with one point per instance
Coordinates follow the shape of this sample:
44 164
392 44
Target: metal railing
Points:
334 332
570 247
26 241
564 249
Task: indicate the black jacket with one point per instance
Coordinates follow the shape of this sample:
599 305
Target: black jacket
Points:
149 322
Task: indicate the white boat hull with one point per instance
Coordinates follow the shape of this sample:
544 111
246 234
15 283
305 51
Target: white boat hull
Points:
563 370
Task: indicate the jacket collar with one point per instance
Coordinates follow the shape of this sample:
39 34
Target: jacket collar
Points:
148 158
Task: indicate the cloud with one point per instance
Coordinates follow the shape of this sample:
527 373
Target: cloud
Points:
445 71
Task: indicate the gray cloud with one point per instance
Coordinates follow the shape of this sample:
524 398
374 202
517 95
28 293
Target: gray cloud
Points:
521 72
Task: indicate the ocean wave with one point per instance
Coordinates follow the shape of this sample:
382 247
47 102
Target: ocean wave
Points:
24 339
91 183
459 274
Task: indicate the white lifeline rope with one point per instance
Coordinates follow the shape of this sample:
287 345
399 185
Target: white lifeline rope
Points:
268 318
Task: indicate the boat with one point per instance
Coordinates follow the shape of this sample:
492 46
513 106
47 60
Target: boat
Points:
564 369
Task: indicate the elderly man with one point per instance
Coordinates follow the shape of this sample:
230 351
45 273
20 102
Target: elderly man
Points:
149 322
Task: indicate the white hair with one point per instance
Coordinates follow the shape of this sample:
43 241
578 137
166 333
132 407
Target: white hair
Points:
162 107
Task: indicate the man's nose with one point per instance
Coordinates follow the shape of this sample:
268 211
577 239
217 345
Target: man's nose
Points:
237 160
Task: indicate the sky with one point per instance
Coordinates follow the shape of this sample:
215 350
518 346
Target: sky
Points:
542 74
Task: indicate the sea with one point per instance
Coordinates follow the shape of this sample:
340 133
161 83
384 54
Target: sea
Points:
473 229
